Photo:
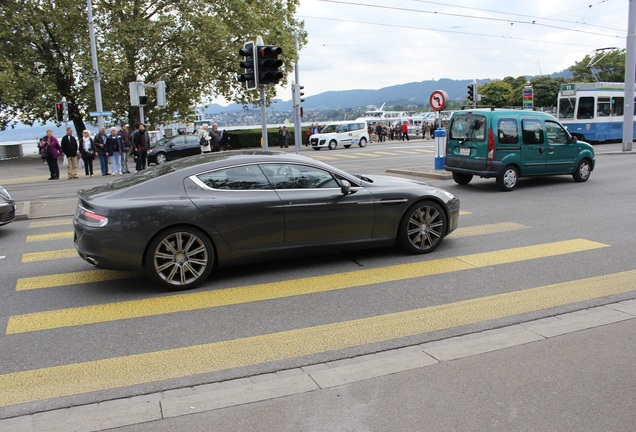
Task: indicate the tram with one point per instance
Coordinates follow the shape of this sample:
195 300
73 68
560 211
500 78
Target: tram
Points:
593 112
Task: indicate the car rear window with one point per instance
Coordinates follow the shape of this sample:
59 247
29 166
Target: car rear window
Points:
468 127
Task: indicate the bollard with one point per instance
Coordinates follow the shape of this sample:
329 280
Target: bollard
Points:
440 150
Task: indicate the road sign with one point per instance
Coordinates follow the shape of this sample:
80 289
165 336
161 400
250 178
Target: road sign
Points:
100 113
438 100
568 89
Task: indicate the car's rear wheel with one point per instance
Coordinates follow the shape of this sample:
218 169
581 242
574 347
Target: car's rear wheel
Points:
332 145
508 179
583 171
422 228
161 158
180 258
362 142
462 179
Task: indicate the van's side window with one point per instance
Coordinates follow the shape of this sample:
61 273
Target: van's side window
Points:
555 133
532 131
508 131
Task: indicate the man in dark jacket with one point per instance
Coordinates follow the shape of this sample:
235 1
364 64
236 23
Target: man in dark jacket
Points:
140 141
69 148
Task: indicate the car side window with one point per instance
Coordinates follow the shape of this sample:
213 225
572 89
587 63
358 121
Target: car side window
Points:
179 141
555 133
508 131
292 176
192 140
532 131
248 177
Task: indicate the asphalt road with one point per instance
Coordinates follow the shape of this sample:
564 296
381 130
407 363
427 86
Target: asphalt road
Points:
552 246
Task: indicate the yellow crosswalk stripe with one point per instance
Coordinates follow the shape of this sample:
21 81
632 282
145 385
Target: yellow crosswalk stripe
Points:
50 223
49 236
89 376
276 290
49 255
73 278
486 229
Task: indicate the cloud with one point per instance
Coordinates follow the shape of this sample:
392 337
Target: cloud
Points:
370 44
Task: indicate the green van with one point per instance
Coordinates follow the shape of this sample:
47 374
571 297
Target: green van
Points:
508 144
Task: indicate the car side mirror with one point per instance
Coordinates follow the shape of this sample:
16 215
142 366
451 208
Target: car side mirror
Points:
345 187
572 139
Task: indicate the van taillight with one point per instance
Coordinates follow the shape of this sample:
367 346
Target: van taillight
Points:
491 145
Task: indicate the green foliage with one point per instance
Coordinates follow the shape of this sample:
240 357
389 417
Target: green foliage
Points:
611 68
192 45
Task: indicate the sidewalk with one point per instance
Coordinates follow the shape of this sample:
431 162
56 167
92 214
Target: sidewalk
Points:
572 372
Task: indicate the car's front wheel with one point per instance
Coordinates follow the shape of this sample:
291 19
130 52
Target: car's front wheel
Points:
583 171
180 258
422 228
161 158
362 142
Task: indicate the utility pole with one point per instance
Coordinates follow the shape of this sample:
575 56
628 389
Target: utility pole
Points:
630 77
96 74
297 121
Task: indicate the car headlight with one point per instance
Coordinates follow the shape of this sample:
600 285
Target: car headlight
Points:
5 194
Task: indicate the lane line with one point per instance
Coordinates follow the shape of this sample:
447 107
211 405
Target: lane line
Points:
93 314
478 230
50 223
73 278
77 378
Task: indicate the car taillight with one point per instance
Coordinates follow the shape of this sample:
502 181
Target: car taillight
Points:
491 145
90 218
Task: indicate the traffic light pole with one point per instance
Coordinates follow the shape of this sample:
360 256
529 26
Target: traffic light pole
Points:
96 74
262 103
297 125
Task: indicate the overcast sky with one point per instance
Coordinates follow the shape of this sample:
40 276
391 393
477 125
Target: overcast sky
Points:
370 44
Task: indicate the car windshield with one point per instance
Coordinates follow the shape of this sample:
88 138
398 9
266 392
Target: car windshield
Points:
330 129
159 143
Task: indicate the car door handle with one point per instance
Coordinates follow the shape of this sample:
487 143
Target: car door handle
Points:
541 150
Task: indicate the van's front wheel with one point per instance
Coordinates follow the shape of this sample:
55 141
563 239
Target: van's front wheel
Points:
462 179
583 171
508 179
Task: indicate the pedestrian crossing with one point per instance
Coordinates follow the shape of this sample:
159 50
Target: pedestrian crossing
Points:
171 362
364 154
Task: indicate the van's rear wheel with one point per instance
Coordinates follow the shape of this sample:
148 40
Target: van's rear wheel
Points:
462 179
508 179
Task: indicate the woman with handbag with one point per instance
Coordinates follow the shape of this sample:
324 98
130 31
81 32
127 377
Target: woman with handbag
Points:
87 150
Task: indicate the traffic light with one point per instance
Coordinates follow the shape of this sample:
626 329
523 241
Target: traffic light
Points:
161 94
59 111
297 94
267 64
249 66
143 100
70 107
471 94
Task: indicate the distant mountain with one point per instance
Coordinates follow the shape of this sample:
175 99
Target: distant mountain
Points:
416 93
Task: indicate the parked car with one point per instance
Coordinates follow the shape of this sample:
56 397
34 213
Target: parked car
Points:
182 219
7 207
170 148
508 144
344 133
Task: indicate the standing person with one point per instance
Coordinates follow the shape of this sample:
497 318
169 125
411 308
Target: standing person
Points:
87 150
114 146
125 137
140 142
405 131
204 138
378 131
50 148
70 148
100 149
225 141
286 135
215 135
427 131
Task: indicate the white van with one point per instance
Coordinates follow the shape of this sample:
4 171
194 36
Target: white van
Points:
345 133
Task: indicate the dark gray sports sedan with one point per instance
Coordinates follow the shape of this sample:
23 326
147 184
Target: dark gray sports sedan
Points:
182 219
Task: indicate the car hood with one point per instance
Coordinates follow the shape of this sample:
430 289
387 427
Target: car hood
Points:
383 180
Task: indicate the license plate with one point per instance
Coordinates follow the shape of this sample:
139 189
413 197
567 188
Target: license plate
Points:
464 151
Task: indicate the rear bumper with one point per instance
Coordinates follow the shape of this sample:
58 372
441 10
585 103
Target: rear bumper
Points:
478 167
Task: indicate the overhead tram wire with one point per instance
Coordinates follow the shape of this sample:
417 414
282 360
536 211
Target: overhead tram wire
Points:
469 16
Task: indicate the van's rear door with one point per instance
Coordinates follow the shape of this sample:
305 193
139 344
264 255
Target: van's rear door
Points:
467 145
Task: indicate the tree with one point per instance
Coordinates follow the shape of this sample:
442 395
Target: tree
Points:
610 68
546 90
495 93
192 45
